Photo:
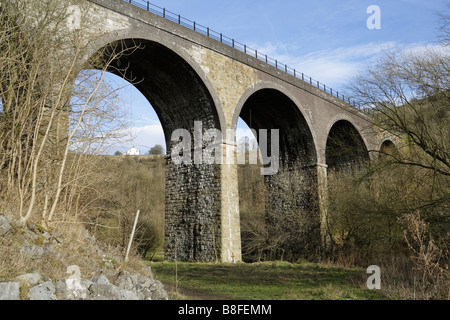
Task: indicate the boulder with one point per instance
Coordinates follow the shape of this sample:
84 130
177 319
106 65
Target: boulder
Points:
73 289
158 292
44 291
9 291
101 279
126 280
5 225
111 292
145 286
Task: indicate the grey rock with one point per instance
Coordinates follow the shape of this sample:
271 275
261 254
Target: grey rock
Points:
5 225
111 292
158 291
19 223
108 273
145 286
127 295
146 294
44 291
73 289
9 291
101 279
103 292
126 280
30 279
30 235
31 226
46 235
37 252
145 281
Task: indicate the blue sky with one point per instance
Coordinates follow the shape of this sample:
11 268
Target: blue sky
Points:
327 40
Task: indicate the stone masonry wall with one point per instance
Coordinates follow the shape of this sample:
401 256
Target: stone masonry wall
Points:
192 221
292 210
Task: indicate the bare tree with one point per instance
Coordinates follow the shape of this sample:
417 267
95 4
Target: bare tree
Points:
408 93
53 115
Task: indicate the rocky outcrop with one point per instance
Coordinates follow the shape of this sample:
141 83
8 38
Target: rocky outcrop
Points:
9 291
40 246
127 287
5 225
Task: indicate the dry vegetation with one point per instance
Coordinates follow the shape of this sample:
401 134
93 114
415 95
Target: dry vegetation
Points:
130 184
54 116
395 211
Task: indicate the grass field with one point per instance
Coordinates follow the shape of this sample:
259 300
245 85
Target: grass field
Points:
262 281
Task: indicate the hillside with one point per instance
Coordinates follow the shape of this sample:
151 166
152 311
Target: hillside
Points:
68 264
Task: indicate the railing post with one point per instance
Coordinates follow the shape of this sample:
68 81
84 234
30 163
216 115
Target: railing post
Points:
256 54
285 67
295 73
179 19
266 58
232 42
207 31
194 26
164 12
148 5
245 48
303 76
276 63
221 38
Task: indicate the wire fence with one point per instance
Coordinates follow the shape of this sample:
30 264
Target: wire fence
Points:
206 31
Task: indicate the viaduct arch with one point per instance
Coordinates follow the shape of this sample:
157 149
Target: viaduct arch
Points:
188 76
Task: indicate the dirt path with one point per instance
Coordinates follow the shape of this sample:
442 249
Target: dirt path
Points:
190 294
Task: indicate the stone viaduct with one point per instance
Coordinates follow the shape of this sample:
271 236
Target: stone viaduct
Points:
189 73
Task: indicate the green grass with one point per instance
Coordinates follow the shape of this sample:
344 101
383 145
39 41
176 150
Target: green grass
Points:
263 281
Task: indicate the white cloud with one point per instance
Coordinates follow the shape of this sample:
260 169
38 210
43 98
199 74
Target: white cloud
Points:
336 67
331 67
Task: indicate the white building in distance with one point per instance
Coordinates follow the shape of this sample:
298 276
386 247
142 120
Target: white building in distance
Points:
132 152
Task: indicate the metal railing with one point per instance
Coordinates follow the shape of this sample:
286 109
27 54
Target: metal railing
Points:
177 18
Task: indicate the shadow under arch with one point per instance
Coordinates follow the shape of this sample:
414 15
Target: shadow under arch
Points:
246 105
387 147
131 38
180 98
291 210
345 147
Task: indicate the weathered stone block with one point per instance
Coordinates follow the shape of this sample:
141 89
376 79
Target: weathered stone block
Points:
44 291
9 291
5 225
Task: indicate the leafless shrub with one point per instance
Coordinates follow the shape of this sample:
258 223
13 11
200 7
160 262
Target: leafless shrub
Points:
430 260
53 115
